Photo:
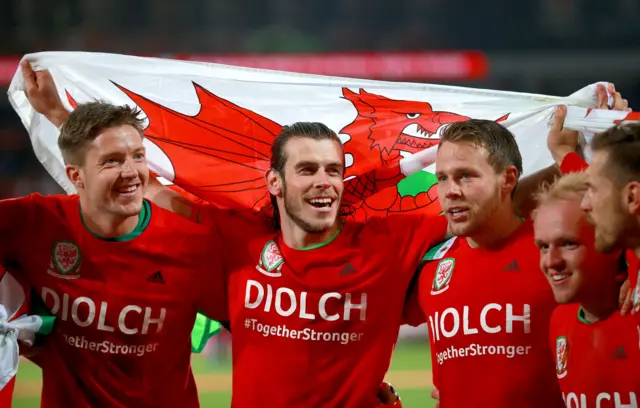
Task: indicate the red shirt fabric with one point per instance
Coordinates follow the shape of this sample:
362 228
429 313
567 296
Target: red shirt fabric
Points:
596 363
124 310
317 327
488 313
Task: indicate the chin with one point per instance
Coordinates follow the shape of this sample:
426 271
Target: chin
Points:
605 246
461 229
131 209
565 297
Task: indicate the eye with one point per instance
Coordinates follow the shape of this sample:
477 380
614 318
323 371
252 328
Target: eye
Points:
139 156
465 175
571 245
442 179
412 116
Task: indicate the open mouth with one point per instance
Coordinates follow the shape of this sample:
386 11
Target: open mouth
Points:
415 138
322 204
558 278
128 191
458 213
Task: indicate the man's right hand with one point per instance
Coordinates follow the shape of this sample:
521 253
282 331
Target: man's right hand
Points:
42 94
563 141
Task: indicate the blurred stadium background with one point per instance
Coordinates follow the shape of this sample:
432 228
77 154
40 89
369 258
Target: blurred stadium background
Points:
540 46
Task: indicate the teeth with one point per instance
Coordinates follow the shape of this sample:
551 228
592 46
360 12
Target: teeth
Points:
320 201
559 277
129 189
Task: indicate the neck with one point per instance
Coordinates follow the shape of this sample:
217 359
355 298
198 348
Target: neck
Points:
601 298
104 224
495 229
295 237
601 306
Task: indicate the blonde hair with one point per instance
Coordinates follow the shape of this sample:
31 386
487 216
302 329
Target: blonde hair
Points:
568 187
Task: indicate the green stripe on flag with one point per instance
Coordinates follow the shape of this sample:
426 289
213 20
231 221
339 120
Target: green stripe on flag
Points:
203 329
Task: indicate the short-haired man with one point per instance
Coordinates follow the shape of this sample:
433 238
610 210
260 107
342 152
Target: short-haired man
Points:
481 293
124 277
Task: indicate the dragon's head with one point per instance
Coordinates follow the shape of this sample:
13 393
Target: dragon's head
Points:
393 126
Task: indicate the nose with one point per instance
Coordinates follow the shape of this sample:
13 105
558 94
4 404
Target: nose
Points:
552 259
321 180
585 204
128 170
451 189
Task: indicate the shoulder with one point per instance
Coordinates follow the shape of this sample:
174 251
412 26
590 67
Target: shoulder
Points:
565 313
178 227
37 203
563 319
407 224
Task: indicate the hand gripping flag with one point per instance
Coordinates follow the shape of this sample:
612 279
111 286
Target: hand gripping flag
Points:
19 322
209 127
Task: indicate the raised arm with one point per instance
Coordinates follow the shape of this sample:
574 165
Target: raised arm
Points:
171 200
42 94
560 142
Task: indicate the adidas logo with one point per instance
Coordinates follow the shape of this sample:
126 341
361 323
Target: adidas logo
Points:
348 270
512 267
156 278
619 354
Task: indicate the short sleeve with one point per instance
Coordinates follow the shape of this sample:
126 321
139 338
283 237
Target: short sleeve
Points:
573 163
15 216
412 314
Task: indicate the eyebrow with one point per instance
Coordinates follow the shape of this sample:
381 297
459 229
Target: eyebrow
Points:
311 163
457 170
117 153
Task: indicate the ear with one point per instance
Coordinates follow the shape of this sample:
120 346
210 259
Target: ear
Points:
74 173
510 180
274 182
631 196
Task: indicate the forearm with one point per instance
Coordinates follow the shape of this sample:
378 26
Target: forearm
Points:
169 199
57 117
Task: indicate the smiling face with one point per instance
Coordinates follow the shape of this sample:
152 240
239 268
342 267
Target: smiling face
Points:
469 189
568 258
311 184
113 173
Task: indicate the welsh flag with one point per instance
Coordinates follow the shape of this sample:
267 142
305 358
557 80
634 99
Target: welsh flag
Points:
209 127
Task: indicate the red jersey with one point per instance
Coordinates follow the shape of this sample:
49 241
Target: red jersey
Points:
596 363
316 327
488 312
124 307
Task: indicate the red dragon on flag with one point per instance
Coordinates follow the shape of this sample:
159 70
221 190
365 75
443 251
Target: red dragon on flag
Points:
221 154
